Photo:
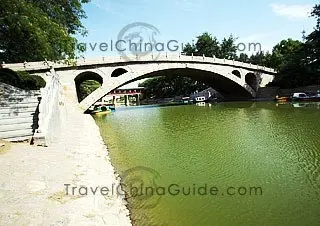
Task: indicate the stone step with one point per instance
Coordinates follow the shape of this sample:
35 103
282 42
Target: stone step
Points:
16 114
5 88
18 139
21 99
33 103
19 94
18 109
18 126
16 133
16 120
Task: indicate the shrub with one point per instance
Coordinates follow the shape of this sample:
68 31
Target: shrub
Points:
21 79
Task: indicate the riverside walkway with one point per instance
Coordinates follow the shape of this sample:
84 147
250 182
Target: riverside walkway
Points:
32 178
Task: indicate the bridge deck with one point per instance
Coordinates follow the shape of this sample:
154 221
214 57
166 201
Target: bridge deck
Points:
46 65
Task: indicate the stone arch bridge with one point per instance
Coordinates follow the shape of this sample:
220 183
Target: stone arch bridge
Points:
233 79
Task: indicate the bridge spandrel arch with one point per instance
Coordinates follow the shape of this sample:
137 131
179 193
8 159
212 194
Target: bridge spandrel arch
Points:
87 75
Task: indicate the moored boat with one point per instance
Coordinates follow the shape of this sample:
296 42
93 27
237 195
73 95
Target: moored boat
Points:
101 110
297 97
282 99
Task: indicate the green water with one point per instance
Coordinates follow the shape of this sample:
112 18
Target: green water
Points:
240 145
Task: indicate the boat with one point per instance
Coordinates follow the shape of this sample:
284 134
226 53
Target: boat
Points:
282 99
200 99
185 100
309 97
101 110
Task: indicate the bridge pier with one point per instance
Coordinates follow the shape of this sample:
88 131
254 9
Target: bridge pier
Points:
114 100
126 100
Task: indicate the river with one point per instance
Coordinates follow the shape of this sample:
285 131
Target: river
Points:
222 164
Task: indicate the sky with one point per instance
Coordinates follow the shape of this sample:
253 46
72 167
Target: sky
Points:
251 21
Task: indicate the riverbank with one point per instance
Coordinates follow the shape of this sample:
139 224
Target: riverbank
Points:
32 179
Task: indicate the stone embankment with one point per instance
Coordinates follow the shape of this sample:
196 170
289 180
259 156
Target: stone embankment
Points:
269 93
32 179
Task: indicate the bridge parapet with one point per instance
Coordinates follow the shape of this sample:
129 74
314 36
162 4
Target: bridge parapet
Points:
164 57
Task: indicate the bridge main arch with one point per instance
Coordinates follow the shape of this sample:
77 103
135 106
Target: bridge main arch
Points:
221 78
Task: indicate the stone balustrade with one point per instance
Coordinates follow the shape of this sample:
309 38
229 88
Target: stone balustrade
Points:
46 65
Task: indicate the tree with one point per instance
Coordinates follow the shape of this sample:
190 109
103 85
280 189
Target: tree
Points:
313 42
228 48
171 86
21 79
67 13
189 49
86 88
299 63
207 45
243 57
283 52
257 58
36 30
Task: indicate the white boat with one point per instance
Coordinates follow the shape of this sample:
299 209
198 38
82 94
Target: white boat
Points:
200 99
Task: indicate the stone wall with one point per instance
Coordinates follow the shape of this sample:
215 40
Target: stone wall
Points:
18 113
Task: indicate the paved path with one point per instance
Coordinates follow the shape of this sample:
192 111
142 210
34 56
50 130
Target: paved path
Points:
32 190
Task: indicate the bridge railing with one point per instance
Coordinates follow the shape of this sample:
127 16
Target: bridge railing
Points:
43 65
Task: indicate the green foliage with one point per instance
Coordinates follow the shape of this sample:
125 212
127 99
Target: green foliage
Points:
284 51
35 30
228 48
312 44
170 86
189 49
30 82
209 46
243 57
86 88
297 63
21 79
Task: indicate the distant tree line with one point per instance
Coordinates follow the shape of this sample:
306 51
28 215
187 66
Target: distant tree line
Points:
297 62
35 30
170 86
